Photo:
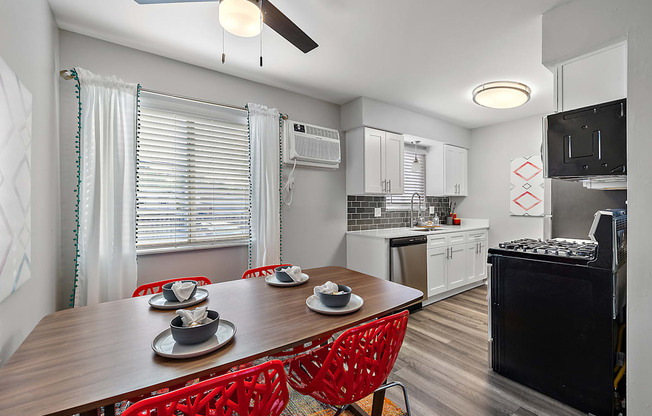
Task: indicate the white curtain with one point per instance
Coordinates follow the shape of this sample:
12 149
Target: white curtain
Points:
107 201
264 132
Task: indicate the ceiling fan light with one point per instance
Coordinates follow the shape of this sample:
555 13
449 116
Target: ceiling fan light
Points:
240 17
501 94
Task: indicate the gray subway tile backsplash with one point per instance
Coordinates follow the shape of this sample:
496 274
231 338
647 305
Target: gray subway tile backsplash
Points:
360 212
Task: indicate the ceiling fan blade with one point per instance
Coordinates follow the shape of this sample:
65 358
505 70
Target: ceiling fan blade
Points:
169 1
285 27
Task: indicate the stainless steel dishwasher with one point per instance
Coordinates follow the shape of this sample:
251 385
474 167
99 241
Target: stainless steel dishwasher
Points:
408 262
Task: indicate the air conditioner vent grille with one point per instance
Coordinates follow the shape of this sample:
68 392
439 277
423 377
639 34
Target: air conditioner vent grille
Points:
314 148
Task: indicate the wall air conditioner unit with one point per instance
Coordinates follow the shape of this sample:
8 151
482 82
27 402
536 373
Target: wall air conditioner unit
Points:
310 145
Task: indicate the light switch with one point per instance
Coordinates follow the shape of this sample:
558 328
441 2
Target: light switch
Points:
432 210
377 212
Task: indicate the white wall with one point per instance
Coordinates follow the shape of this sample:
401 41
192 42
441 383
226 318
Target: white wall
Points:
313 227
28 43
492 149
578 28
364 111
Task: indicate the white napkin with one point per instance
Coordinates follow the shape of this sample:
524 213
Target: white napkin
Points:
196 317
328 287
183 290
294 272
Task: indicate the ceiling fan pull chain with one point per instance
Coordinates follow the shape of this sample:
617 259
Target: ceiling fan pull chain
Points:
223 51
261 33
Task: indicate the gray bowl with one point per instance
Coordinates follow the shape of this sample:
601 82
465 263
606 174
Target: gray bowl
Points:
336 301
282 276
195 334
168 293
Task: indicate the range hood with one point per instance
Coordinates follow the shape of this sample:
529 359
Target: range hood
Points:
588 145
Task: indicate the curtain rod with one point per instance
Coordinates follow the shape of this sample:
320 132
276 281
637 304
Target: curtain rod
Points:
67 75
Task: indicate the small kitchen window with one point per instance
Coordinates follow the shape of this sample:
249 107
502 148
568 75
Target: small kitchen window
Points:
412 181
192 175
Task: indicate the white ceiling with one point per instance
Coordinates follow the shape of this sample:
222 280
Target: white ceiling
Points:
423 55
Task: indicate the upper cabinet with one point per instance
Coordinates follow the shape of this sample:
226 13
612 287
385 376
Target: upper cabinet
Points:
374 162
455 183
592 79
446 170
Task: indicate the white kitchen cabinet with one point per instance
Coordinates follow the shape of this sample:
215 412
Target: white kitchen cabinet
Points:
437 270
455 171
476 250
592 79
457 266
456 260
476 265
374 162
446 170
393 159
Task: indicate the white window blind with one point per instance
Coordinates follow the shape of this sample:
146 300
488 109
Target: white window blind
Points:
412 181
192 170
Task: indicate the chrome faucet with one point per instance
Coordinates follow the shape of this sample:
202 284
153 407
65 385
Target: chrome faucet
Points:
412 222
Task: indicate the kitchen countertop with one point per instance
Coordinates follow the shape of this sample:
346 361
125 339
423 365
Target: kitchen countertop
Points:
468 224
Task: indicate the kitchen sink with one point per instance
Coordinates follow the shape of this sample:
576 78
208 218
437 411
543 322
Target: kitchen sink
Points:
425 230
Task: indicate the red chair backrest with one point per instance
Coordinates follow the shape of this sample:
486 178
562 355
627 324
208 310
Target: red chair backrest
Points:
262 271
157 287
355 365
255 391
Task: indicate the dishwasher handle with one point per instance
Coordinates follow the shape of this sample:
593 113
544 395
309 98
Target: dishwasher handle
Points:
408 241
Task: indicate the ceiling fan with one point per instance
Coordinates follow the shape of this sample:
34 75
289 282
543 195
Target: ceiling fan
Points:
242 18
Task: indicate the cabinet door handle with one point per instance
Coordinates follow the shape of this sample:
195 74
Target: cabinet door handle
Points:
390 186
451 253
383 185
477 248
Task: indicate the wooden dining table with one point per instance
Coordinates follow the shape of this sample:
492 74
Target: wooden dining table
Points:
78 360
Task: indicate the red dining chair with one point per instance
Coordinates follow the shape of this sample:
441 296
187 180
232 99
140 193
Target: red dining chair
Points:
157 287
354 366
255 391
269 270
262 271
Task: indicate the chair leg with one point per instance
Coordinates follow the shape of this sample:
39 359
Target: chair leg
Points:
341 410
405 395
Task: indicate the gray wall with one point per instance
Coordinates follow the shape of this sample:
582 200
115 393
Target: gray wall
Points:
492 149
575 29
364 111
313 227
573 207
28 43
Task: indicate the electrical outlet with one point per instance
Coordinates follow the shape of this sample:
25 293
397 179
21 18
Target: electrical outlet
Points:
377 212
432 210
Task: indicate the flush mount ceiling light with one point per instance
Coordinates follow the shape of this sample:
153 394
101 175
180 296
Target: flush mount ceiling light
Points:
502 94
240 17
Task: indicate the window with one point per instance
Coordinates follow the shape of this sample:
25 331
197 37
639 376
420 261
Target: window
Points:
192 175
412 181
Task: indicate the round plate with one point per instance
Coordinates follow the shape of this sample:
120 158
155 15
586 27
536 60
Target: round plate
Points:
159 302
165 346
354 304
273 281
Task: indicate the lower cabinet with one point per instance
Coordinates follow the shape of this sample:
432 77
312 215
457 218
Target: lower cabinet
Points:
456 260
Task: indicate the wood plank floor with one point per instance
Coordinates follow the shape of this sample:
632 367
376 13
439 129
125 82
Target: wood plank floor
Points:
443 364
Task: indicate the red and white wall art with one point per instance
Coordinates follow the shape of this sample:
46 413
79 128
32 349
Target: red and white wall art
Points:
526 186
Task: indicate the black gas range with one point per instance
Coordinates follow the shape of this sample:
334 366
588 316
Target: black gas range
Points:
556 307
559 249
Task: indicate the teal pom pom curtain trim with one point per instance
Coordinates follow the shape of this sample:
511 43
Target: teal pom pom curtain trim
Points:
78 189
